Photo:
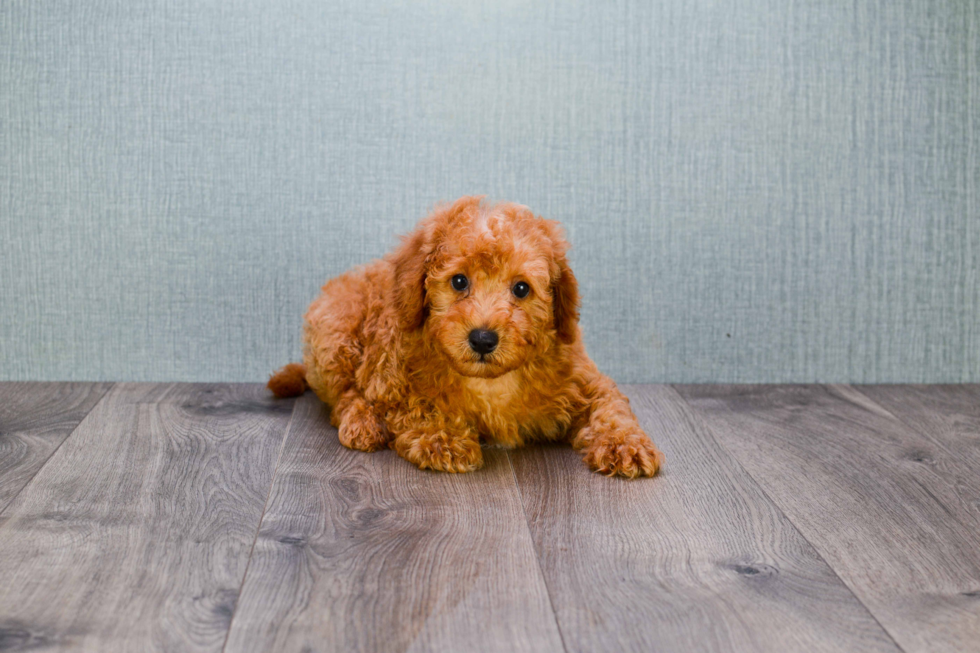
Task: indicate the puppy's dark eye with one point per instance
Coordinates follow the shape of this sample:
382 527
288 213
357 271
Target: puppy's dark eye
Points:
460 282
521 289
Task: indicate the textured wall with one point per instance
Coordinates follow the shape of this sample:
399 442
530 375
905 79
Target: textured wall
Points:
756 190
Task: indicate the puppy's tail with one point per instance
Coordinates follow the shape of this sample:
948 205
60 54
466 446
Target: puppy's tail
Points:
290 381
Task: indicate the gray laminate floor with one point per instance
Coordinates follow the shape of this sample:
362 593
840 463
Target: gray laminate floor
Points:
188 517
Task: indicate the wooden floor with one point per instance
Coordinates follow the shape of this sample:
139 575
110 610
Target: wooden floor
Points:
184 517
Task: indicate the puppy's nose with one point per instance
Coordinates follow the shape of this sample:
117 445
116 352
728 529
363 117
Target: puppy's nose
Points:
483 341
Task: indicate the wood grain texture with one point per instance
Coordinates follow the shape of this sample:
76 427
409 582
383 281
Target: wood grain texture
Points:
364 552
948 418
35 418
695 559
878 500
135 535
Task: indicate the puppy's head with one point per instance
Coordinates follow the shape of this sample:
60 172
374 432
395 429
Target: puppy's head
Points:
489 284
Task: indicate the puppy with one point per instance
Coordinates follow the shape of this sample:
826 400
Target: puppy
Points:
468 331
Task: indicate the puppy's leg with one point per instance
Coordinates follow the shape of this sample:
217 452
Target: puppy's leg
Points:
611 440
433 442
358 427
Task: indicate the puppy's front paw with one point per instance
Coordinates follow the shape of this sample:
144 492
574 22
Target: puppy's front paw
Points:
619 451
440 451
361 429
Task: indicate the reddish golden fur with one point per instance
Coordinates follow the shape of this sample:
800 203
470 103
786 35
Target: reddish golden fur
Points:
386 347
290 381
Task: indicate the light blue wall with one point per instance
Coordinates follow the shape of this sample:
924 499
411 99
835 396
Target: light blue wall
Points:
756 190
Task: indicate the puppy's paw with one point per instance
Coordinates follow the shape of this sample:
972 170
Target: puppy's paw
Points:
361 429
619 452
440 451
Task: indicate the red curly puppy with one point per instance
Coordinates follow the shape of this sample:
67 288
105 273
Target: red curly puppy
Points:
468 330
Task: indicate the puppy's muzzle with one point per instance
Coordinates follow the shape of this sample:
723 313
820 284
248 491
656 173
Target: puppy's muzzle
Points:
483 341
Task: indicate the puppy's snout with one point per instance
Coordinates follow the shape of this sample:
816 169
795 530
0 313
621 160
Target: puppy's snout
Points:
483 341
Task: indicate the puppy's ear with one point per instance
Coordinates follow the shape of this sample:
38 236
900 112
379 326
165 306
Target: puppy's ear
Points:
418 250
564 300
564 287
410 265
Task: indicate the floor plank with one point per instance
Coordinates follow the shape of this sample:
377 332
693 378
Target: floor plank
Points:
135 535
35 418
873 496
695 559
948 417
364 552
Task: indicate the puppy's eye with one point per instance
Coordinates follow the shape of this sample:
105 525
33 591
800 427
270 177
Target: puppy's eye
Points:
521 290
460 282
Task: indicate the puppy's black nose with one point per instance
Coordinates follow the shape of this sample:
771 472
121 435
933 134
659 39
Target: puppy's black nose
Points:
483 341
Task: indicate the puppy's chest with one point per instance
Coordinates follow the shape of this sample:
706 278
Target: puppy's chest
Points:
503 412
493 395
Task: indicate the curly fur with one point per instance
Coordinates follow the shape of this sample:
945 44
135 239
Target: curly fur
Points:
386 346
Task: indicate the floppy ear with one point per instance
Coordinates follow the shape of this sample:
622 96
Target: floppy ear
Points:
410 264
564 286
564 300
